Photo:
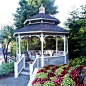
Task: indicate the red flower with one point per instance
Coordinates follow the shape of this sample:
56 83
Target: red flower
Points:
70 65
58 80
51 74
77 84
42 70
56 67
40 81
75 74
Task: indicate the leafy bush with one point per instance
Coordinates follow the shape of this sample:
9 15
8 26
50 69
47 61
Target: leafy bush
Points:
48 71
67 75
6 68
52 78
41 75
67 82
78 61
51 67
49 83
58 71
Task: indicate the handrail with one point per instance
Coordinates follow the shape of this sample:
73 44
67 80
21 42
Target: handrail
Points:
16 66
20 59
37 56
31 66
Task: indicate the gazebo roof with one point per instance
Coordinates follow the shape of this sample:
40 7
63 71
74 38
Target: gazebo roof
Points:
42 16
41 23
42 28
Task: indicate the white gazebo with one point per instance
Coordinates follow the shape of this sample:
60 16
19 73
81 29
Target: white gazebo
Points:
42 26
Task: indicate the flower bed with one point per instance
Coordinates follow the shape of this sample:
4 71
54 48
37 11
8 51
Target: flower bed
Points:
62 75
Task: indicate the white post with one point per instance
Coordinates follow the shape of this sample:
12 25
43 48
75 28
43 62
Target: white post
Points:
42 59
56 45
67 45
19 47
37 61
31 70
65 48
17 58
27 44
16 69
23 55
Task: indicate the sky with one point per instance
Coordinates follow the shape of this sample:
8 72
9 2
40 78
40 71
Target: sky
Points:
7 7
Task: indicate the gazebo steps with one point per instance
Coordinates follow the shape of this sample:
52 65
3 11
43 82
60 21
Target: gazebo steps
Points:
26 68
25 71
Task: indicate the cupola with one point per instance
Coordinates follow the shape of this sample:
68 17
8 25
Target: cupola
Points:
41 17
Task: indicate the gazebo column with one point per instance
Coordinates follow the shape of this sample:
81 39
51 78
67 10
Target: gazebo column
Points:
19 46
56 45
17 58
67 45
42 57
65 48
27 44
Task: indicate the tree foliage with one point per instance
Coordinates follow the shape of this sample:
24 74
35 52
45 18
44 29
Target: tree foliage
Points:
29 8
6 37
77 29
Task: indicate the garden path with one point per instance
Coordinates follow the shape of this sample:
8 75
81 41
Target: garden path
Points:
22 80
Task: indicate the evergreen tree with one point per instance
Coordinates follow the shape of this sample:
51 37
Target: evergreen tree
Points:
77 36
31 7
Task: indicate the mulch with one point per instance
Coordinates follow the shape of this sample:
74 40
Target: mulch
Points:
9 75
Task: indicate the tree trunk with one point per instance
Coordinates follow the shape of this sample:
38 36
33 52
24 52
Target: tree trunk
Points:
5 50
6 53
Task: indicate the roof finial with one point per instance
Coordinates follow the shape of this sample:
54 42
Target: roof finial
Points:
41 9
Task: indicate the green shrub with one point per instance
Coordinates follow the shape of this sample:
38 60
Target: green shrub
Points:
11 67
66 75
67 82
53 78
58 71
78 61
6 68
51 68
49 83
48 71
37 84
41 75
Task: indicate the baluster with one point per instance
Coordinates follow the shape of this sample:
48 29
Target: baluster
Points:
16 69
31 70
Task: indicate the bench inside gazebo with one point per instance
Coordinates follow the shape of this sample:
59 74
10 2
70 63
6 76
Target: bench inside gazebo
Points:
42 26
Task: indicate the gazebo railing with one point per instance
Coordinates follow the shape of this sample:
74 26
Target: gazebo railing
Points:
34 65
19 65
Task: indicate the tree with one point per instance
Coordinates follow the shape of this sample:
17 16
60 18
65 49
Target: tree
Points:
6 37
29 8
77 36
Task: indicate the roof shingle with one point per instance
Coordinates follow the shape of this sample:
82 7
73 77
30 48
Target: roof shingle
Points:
42 15
42 27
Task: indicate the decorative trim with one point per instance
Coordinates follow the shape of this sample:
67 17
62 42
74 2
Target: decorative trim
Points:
40 22
38 32
40 19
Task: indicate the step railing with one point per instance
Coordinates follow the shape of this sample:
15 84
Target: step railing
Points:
19 65
33 77
34 65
